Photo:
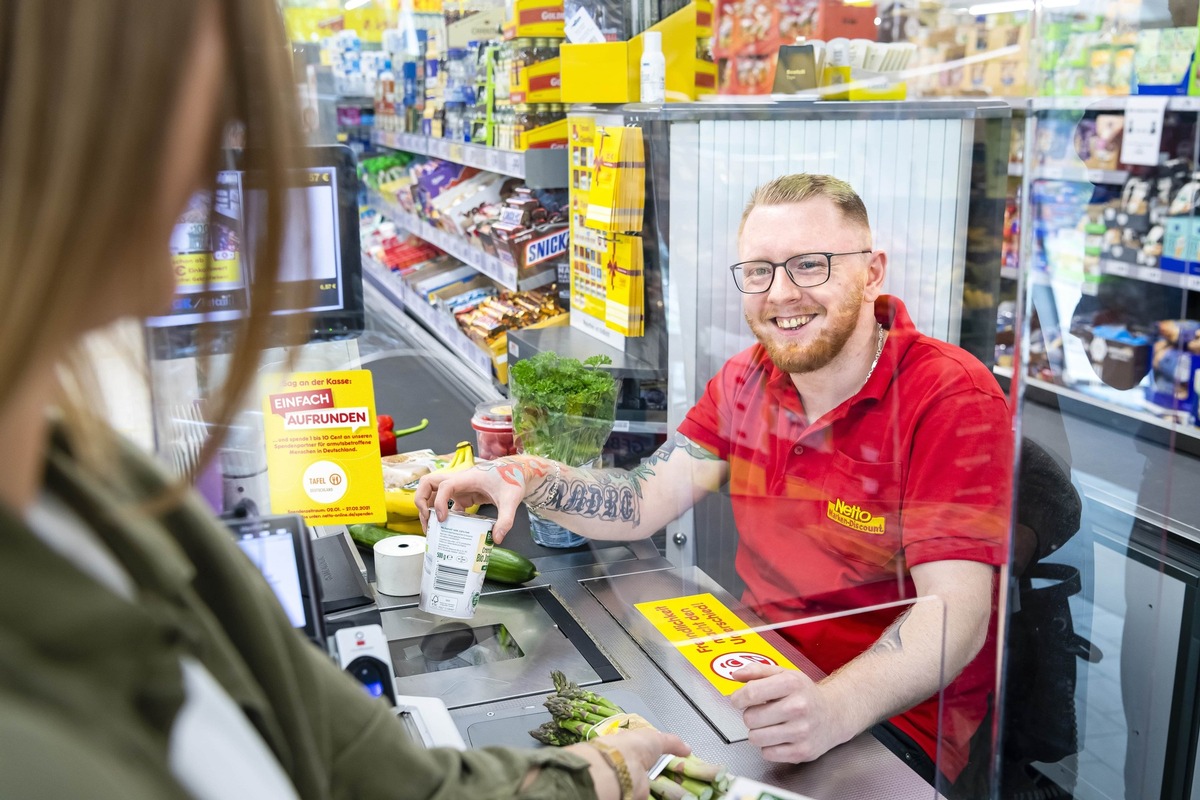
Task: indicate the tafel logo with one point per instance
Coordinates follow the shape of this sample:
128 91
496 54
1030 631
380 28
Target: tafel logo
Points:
855 517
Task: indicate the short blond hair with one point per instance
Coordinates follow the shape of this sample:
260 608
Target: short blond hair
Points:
797 188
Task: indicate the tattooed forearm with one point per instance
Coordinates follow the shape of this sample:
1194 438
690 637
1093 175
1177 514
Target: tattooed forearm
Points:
610 495
890 642
599 494
639 474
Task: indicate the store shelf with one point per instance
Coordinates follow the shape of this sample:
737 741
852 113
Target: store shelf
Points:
567 341
440 325
1122 418
637 426
461 249
543 169
1097 103
1176 280
1076 283
1080 174
574 343
1116 103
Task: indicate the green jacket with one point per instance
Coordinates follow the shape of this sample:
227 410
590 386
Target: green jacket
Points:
90 683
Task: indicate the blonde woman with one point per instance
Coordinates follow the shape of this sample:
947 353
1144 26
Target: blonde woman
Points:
140 655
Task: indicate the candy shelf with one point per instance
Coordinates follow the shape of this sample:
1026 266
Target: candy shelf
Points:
461 249
542 169
440 325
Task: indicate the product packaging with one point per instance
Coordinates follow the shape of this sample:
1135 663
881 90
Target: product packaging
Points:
1176 368
610 17
493 430
617 198
456 559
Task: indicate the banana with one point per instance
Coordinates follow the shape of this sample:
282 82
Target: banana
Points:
401 503
409 526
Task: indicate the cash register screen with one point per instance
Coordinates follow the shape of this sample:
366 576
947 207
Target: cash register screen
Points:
273 551
320 270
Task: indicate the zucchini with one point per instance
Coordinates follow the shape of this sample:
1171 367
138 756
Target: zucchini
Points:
506 566
367 535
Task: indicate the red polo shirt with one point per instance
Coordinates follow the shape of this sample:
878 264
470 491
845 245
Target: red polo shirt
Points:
831 513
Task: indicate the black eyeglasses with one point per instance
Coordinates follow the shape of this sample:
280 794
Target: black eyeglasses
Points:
805 270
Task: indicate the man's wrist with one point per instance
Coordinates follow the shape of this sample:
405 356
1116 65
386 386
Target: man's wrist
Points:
539 474
851 713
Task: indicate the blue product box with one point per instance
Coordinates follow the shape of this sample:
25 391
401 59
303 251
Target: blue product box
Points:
1175 368
1181 245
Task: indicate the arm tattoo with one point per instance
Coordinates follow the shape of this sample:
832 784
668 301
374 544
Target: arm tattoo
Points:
890 642
613 495
596 494
517 473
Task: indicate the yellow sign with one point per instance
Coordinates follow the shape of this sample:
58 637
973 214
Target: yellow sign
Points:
196 269
854 517
323 447
696 617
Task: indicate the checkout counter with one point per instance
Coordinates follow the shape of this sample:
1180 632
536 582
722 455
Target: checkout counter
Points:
578 616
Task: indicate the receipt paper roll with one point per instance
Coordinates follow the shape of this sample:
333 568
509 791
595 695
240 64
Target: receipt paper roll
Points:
398 561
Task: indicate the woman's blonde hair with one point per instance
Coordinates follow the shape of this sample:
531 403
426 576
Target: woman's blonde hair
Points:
87 88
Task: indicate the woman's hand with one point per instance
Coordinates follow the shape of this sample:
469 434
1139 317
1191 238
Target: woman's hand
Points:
503 483
641 749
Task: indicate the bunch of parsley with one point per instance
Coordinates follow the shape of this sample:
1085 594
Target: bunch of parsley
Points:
563 408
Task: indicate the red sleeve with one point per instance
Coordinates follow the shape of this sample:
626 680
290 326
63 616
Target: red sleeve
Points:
958 495
707 424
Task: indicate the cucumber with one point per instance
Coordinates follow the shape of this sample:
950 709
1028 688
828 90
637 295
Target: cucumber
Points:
506 566
367 535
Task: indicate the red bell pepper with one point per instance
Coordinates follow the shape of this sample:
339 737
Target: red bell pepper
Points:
387 438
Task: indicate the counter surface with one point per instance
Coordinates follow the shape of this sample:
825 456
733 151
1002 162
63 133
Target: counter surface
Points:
862 768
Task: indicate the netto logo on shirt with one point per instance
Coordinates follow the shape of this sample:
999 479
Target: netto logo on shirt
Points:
854 517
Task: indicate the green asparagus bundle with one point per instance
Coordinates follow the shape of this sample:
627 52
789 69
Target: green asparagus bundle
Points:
690 779
577 715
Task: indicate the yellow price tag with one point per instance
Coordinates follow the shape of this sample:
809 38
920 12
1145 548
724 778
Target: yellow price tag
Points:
323 447
683 620
193 270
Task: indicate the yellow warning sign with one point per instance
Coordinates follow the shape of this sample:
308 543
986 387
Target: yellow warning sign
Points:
699 616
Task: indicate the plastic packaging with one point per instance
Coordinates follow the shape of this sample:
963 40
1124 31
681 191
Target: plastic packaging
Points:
493 430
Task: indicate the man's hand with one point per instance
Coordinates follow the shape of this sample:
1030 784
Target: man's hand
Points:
503 483
790 717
